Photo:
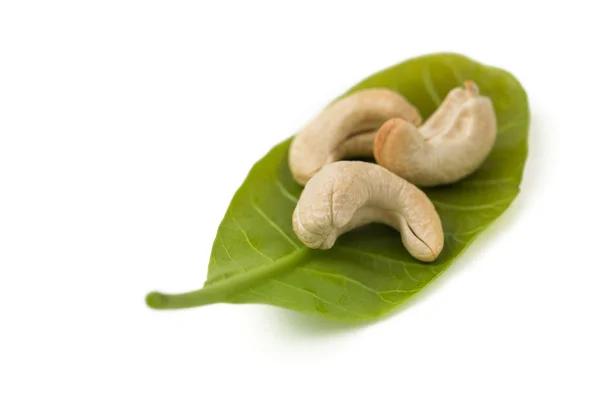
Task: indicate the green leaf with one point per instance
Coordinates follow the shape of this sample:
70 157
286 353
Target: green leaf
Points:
257 258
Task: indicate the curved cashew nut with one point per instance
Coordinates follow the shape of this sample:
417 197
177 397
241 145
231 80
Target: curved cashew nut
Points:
450 145
346 128
347 194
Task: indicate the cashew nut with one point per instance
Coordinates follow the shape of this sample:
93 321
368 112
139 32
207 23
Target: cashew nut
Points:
450 145
347 194
346 128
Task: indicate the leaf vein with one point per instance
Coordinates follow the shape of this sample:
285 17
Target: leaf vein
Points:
429 86
318 297
487 182
382 257
248 240
354 281
286 193
470 207
229 254
457 75
511 124
273 224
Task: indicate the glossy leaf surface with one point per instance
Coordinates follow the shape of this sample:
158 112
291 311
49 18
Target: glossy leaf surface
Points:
256 257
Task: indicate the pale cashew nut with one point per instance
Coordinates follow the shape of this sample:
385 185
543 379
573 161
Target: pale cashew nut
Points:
346 128
347 194
450 145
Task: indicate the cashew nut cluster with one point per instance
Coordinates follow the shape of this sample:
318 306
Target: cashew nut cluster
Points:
346 128
347 194
342 195
450 145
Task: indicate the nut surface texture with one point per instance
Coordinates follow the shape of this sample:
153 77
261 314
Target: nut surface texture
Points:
450 145
347 194
346 128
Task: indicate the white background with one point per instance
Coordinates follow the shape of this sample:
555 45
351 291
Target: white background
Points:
126 127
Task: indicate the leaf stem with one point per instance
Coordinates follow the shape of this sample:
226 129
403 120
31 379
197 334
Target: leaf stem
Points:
222 290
